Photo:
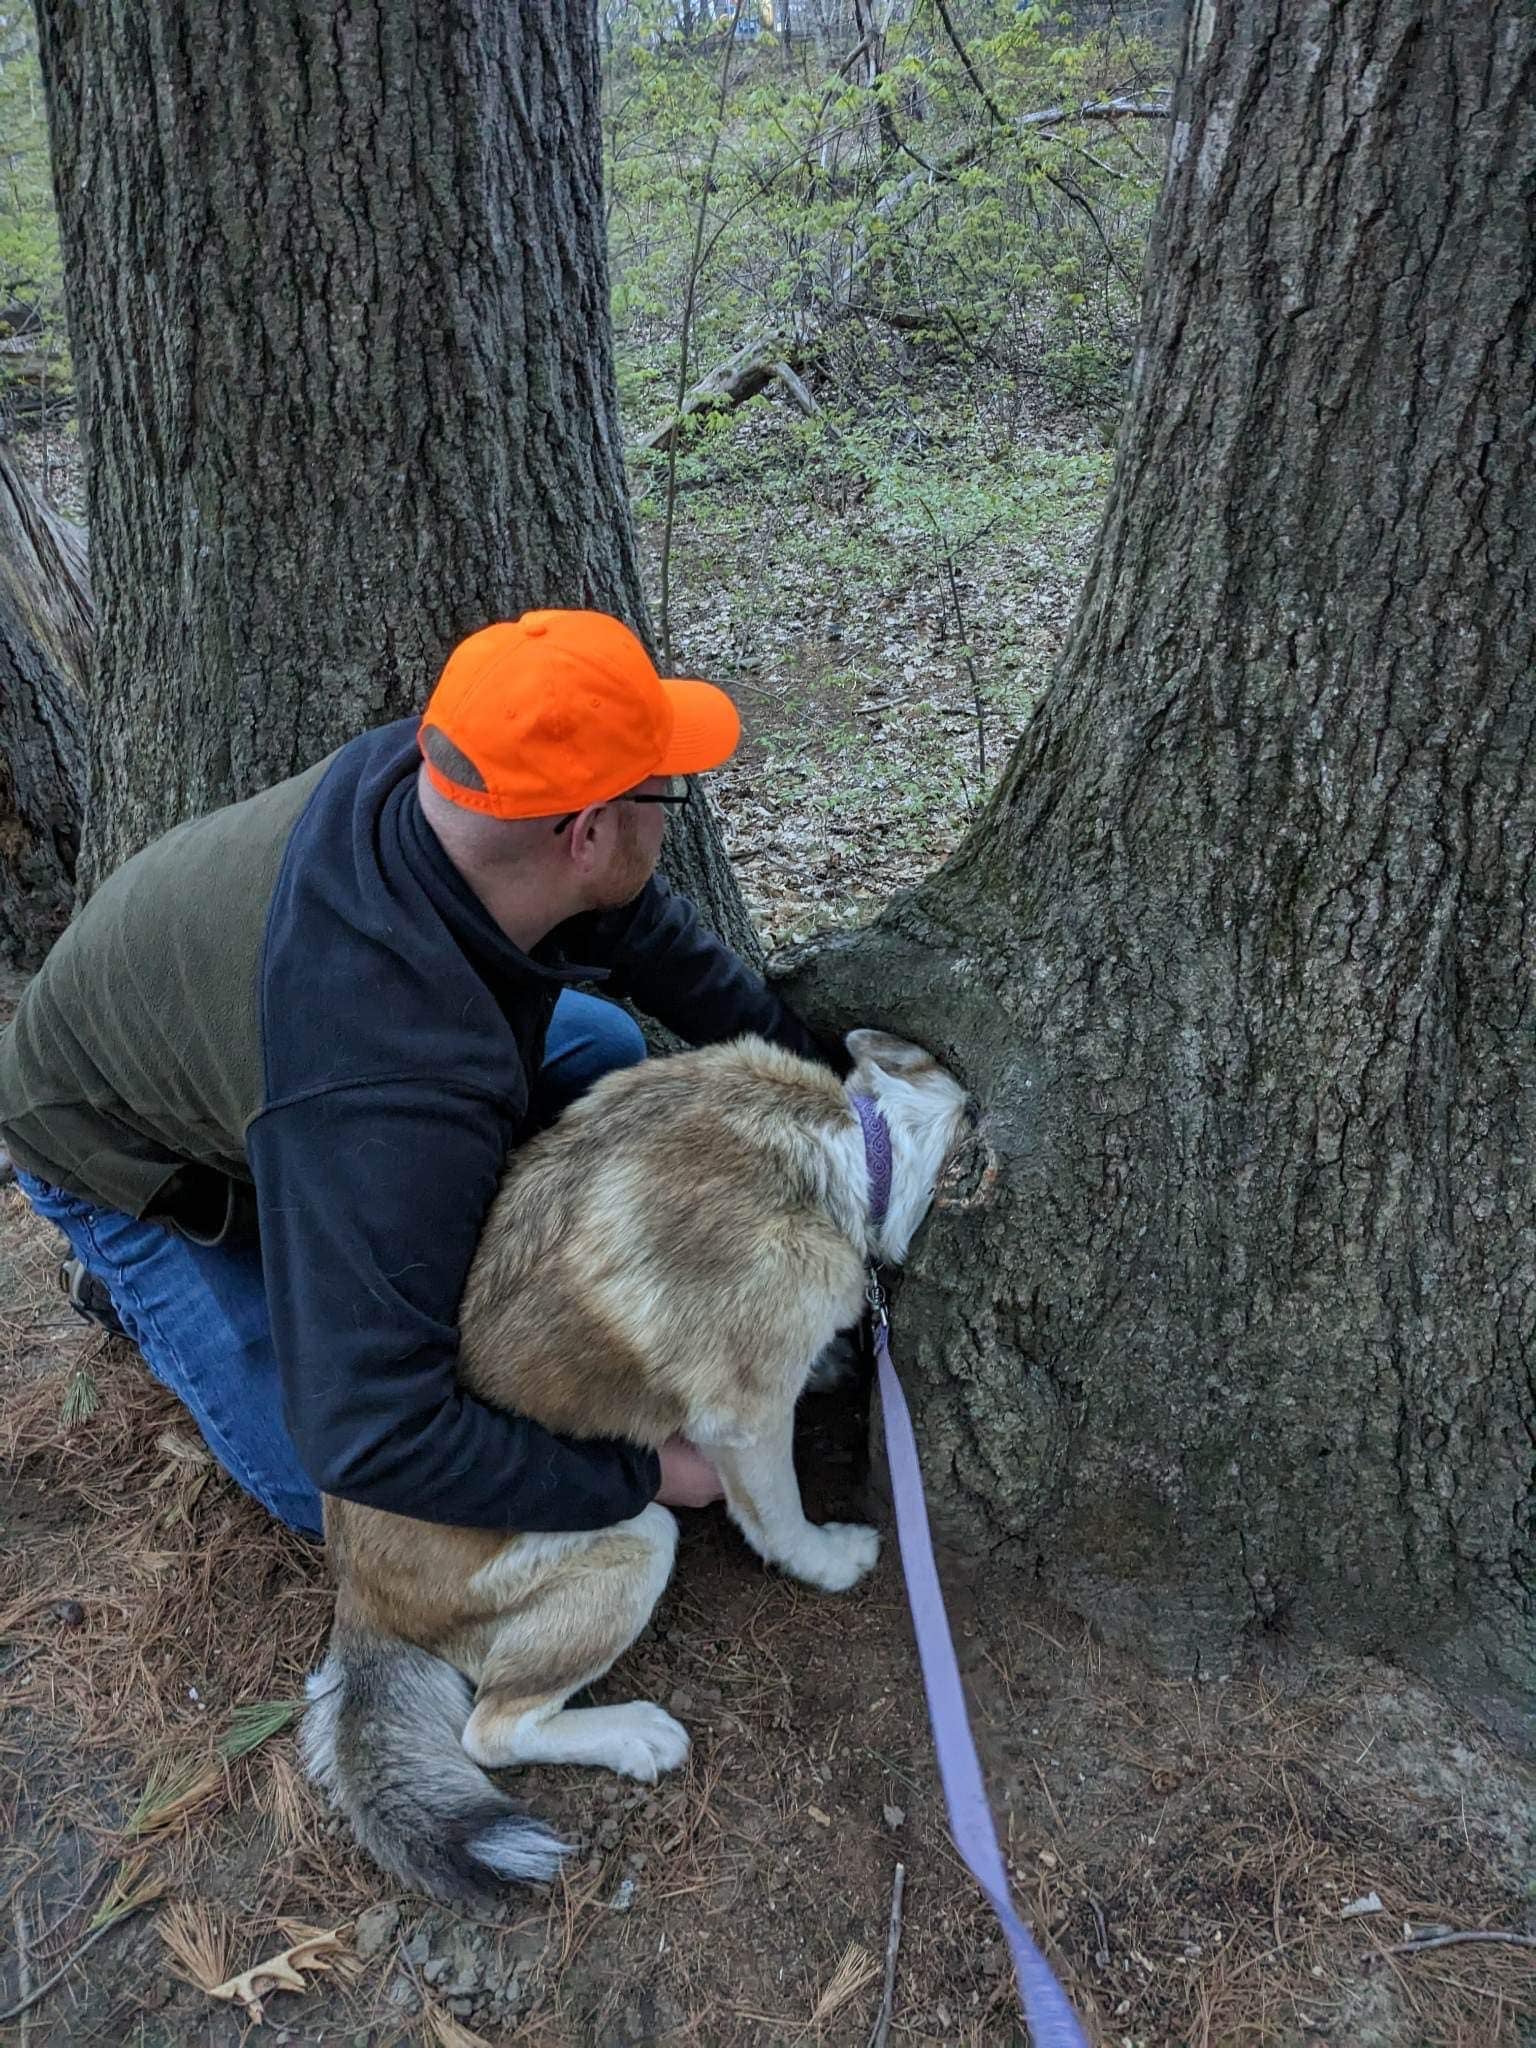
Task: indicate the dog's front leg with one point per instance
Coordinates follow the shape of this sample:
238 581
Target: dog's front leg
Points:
763 1495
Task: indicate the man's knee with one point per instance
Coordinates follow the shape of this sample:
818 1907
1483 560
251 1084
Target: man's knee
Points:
590 1037
618 1040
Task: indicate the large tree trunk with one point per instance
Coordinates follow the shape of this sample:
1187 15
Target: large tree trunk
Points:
45 646
338 301
1240 955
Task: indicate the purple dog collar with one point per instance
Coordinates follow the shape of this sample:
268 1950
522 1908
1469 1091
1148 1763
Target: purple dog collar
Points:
877 1156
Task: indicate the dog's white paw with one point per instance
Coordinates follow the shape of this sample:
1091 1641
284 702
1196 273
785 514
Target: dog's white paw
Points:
645 1742
838 1558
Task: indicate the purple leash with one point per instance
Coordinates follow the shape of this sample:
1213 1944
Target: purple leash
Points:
1047 2009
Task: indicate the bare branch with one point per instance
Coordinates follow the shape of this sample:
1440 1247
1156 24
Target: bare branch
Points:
797 390
882 2032
970 69
1099 110
752 369
687 333
1428 1941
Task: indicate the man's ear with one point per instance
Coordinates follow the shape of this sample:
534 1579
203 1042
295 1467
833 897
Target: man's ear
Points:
891 1055
578 835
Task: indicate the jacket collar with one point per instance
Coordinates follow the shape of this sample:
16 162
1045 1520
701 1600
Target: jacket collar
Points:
483 941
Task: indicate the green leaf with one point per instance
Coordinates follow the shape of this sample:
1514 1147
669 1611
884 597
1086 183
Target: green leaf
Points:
255 1723
82 1397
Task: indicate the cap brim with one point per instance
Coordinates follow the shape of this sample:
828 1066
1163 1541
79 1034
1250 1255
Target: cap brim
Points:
706 728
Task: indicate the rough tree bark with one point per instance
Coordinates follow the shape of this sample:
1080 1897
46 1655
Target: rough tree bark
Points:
1239 956
338 302
45 647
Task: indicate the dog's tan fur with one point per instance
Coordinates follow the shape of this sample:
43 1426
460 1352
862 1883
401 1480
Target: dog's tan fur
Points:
670 1258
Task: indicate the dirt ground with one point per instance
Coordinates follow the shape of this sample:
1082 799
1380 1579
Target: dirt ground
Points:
1185 1853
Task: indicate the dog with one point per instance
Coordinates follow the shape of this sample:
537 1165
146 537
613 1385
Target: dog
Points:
671 1257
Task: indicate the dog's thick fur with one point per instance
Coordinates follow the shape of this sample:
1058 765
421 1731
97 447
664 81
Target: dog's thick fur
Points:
671 1257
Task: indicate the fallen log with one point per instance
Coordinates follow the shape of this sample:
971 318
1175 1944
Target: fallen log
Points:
797 390
756 364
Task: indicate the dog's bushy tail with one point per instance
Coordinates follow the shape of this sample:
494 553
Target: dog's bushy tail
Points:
382 1736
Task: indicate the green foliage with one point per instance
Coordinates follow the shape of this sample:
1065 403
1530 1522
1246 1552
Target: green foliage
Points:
253 1723
32 339
1016 247
888 204
82 1397
1085 373
175 1789
29 240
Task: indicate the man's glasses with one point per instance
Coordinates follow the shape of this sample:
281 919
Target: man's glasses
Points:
678 791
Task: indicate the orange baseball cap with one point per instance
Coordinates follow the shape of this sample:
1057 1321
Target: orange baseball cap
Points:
560 709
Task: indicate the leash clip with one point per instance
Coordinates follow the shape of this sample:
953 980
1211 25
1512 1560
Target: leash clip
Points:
875 1295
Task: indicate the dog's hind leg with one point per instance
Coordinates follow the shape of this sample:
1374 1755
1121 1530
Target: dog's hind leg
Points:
637 1740
763 1495
562 1635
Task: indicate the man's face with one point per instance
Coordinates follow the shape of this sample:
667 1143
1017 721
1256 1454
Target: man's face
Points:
638 832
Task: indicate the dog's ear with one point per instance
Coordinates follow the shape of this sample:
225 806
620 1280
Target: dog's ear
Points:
891 1055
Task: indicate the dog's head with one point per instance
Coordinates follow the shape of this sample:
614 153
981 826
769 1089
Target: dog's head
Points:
927 1113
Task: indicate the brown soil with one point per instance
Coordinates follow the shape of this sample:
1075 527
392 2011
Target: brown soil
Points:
1184 1852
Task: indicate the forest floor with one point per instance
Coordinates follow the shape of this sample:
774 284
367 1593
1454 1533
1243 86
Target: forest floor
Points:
1207 1865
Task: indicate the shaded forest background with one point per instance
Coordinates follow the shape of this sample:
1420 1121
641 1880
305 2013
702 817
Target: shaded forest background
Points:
889 210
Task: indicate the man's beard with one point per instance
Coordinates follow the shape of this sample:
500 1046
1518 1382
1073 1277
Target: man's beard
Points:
632 868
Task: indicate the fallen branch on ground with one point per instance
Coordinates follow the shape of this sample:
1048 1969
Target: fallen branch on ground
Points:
755 365
796 390
1416 1946
882 2031
41 1991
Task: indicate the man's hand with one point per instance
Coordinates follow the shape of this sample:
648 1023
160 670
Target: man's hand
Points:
688 1480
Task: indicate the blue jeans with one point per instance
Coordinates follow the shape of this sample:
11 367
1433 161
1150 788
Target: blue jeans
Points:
199 1313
